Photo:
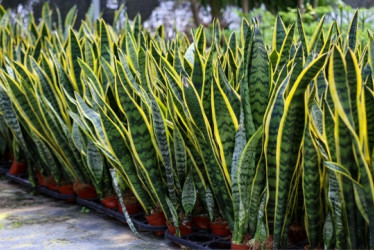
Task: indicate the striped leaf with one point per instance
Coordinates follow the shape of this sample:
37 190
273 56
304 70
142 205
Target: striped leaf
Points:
225 126
189 195
311 188
95 161
259 80
270 131
279 33
215 174
117 189
245 174
302 36
164 146
352 32
288 142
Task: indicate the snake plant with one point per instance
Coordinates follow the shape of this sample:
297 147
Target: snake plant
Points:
266 136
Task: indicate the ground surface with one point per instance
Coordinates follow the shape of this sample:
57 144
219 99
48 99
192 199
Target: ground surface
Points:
40 222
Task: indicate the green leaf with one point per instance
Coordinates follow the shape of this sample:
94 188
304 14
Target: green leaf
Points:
245 174
117 189
311 188
174 215
95 161
279 33
189 195
271 128
216 175
164 146
352 32
302 37
316 36
259 79
288 142
225 126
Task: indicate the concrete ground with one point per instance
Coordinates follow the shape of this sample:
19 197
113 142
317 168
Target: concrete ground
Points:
41 222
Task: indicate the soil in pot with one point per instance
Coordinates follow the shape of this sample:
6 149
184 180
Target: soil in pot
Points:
269 243
201 222
85 191
296 234
18 168
110 202
220 227
184 229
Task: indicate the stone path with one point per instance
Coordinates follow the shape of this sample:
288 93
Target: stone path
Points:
41 222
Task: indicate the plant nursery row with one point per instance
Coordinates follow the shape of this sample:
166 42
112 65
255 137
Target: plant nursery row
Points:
256 145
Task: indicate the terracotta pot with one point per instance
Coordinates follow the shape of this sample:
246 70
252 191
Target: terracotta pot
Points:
157 220
239 246
41 180
110 202
18 168
131 208
201 222
52 185
66 189
220 229
85 191
185 229
296 234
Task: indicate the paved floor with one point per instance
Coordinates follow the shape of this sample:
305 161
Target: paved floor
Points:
40 222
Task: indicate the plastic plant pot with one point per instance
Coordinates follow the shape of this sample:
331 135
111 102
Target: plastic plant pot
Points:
157 219
18 168
142 224
239 246
185 229
201 222
66 189
110 202
131 208
52 185
220 229
85 191
41 180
